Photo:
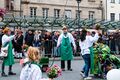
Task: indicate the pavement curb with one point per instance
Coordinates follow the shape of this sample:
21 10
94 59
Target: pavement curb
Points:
57 59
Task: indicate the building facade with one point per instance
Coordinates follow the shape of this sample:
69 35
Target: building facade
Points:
2 4
90 9
112 10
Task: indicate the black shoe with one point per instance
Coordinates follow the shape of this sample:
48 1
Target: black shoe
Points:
11 73
20 58
82 72
3 75
70 70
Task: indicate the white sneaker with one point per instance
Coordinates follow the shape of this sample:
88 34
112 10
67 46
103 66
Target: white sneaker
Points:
82 74
88 78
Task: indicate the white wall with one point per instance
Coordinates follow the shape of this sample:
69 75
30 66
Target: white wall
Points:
111 8
16 4
2 4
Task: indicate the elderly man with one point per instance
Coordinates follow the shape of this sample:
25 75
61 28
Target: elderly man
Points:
64 43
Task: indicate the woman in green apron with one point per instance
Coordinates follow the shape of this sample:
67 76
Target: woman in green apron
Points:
64 43
9 60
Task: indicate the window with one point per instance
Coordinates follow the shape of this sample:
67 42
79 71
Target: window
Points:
112 1
77 14
91 15
56 13
45 12
91 0
33 11
112 16
68 14
9 4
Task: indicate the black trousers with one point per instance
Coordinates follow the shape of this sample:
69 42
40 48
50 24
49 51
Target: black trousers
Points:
3 67
68 64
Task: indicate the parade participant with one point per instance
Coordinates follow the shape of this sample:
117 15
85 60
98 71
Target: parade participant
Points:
104 58
31 70
100 51
64 43
9 60
86 41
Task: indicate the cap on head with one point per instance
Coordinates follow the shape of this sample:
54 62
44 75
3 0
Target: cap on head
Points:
64 27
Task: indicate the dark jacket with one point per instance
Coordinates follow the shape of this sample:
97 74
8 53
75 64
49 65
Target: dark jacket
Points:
19 43
29 38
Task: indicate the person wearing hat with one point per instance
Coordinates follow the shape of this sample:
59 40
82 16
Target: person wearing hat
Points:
64 43
9 60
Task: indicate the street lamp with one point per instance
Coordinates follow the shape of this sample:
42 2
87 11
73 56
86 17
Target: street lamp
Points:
78 2
20 8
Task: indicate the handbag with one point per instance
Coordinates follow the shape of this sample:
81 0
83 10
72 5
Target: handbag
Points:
4 51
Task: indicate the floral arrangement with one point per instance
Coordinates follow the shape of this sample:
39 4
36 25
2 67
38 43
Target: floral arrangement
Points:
2 12
97 27
25 47
54 71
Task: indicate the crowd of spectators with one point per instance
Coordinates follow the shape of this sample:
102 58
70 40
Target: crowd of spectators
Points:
47 41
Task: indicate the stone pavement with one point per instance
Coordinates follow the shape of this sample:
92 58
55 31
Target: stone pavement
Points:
67 75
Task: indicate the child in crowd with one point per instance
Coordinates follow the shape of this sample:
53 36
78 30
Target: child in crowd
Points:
31 70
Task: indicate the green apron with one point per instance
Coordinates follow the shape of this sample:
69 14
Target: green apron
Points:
9 60
66 49
92 60
97 65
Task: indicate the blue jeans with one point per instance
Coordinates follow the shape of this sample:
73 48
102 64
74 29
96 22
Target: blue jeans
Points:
86 67
36 43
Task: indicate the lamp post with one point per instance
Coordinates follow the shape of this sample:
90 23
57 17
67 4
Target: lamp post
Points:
20 11
20 8
78 2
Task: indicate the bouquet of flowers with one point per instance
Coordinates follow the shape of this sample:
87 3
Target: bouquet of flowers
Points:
97 27
25 47
54 72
